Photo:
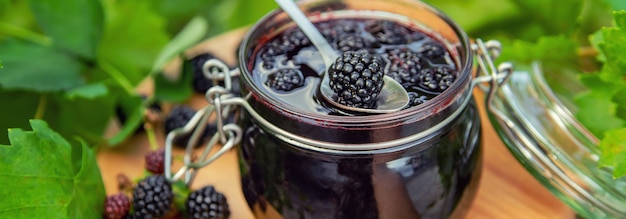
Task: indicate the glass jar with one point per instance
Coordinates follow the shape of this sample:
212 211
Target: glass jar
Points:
535 120
420 162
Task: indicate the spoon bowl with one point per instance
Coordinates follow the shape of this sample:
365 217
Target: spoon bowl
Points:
393 97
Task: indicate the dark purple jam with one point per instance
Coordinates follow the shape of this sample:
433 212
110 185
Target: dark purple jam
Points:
288 66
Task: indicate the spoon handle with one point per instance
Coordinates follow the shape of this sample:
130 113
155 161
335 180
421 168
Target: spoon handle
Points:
328 53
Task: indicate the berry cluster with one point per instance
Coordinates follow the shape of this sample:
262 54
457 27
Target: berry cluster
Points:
154 196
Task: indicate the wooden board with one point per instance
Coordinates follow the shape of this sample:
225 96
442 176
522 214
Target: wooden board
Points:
506 190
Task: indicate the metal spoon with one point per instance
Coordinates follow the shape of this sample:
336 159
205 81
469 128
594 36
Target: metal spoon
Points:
393 97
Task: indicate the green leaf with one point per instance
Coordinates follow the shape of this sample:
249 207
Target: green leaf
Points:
597 113
555 17
33 67
133 108
620 99
613 151
88 91
191 34
23 108
74 25
41 166
174 90
616 5
612 48
134 36
552 51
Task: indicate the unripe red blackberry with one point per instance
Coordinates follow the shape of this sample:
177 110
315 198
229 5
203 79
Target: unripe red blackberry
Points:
116 206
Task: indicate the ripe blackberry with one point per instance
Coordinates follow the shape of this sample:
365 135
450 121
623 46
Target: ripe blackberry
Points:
432 50
152 197
356 78
287 44
207 203
388 32
155 161
416 99
116 206
332 30
351 42
285 80
437 79
405 66
200 83
179 117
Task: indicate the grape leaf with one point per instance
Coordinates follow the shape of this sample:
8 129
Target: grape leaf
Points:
134 36
74 25
43 175
33 67
613 151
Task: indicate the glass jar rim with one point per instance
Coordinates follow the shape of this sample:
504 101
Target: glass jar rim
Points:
430 107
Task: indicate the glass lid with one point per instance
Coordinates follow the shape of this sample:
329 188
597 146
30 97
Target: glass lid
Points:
535 120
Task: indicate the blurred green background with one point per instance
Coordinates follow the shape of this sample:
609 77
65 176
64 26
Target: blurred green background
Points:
73 62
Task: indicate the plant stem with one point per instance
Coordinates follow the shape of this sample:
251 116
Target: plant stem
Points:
25 34
41 107
151 137
117 76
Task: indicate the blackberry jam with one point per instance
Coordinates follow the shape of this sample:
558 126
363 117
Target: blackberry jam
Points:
302 158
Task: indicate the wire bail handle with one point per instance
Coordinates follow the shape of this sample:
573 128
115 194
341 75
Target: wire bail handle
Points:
227 134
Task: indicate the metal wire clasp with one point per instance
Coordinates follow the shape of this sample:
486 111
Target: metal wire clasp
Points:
227 134
489 78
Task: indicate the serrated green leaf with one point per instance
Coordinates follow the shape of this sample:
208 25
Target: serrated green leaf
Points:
620 99
174 90
39 164
88 91
191 34
134 36
33 67
613 151
597 112
74 25
133 109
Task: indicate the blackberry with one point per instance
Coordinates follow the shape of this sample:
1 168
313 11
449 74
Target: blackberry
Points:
200 83
436 79
334 29
155 161
152 197
288 44
416 99
356 78
351 42
285 80
207 203
116 206
432 50
179 117
388 32
405 66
